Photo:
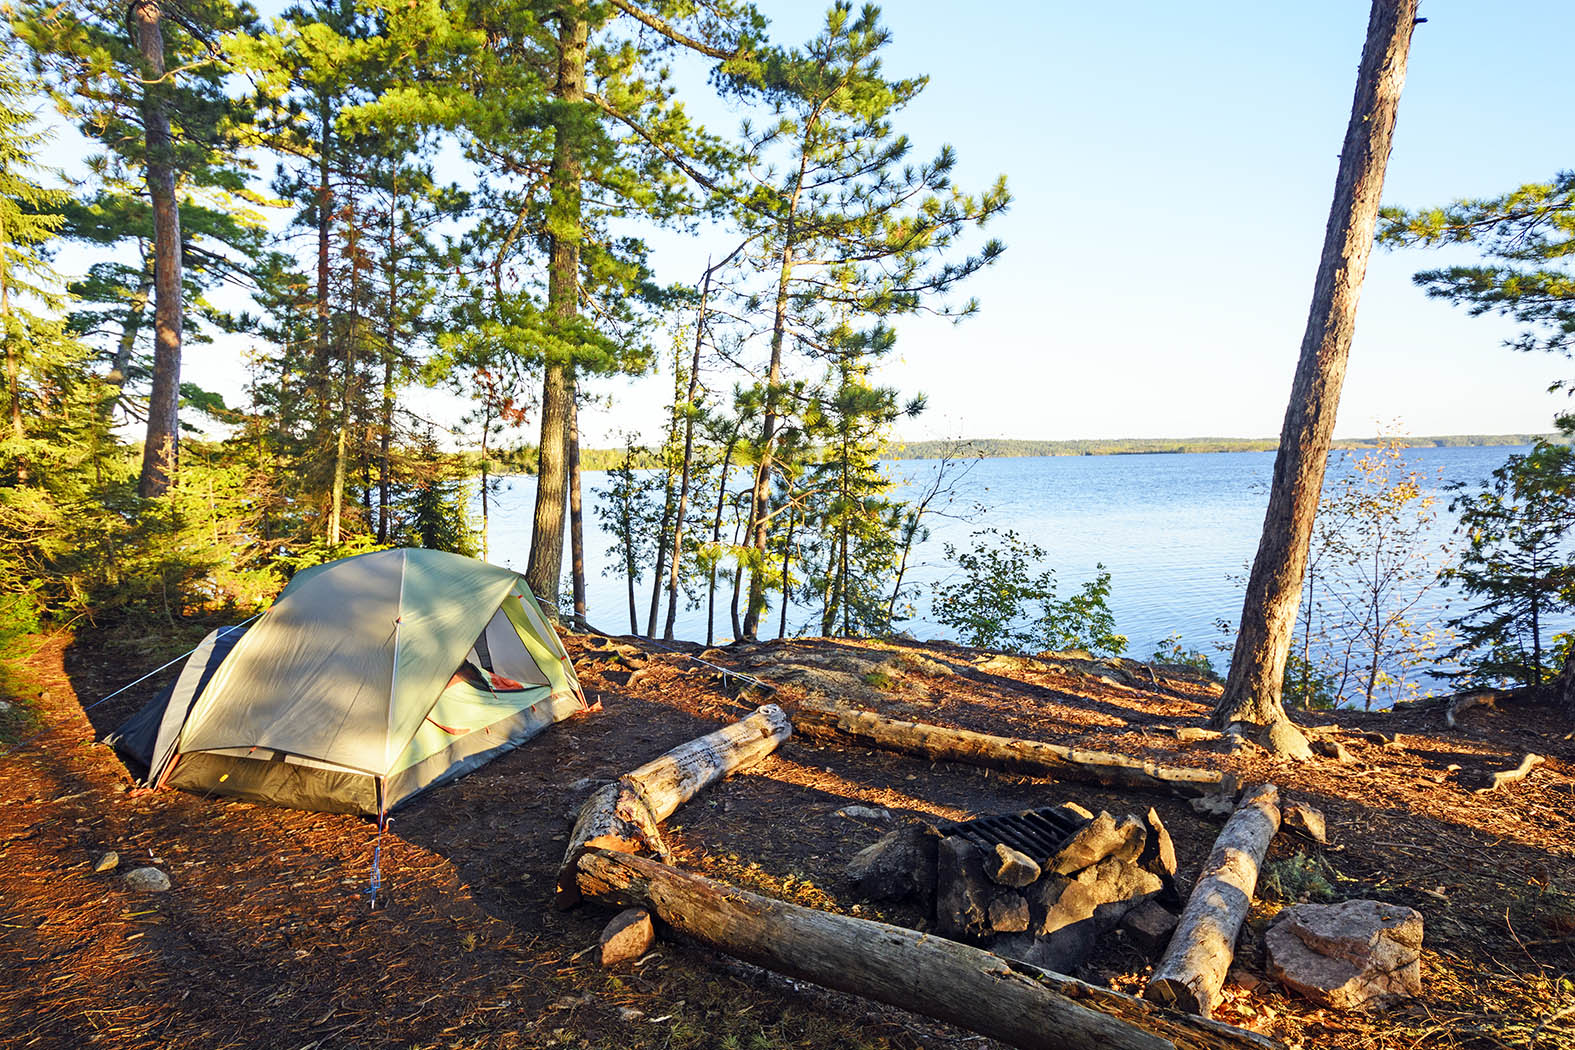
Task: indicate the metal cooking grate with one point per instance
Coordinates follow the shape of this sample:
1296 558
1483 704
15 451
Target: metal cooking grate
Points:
1039 833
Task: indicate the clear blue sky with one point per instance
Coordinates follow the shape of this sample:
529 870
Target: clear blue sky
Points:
1172 166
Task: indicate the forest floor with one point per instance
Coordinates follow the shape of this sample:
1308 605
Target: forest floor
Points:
267 938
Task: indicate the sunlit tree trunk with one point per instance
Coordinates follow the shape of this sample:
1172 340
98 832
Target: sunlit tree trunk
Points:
1253 691
576 518
716 539
13 363
161 447
688 461
760 498
564 226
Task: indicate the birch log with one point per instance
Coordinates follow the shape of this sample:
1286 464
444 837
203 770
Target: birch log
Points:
1192 972
1033 757
626 816
1016 1003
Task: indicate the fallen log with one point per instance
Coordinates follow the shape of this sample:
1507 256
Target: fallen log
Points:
1033 757
1192 972
1016 1003
627 814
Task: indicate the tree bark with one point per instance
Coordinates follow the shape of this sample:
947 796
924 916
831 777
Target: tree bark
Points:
1192 972
1257 670
565 229
626 815
688 461
716 540
576 519
13 364
660 570
760 496
136 310
160 449
1018 1004
1032 757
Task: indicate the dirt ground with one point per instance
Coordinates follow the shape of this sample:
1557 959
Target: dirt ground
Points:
268 939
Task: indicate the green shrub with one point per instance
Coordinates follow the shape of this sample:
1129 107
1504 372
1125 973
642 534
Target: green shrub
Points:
1002 603
1300 877
1171 651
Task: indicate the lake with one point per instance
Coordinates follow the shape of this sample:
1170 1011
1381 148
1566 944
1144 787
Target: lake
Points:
1172 529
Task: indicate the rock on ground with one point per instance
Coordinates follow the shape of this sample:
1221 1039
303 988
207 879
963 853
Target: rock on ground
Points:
147 880
1150 925
1096 840
1348 955
1159 852
1308 820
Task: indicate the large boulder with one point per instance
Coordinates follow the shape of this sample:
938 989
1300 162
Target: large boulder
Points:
1349 955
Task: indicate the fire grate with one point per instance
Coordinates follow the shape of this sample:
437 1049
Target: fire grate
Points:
1039 833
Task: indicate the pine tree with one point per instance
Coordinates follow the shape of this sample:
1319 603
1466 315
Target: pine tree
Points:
29 219
147 80
847 225
853 514
1525 236
555 98
1518 567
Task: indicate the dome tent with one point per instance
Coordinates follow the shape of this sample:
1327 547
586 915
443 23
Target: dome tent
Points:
369 680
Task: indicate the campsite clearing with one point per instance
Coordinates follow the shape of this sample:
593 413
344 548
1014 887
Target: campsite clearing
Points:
266 938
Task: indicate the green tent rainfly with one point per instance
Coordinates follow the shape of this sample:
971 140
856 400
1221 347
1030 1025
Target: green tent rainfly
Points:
369 680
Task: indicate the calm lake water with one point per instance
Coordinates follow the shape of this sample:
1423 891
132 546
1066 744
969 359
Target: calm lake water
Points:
1171 529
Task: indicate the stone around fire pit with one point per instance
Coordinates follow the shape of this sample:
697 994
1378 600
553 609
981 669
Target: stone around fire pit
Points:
1012 867
963 890
1098 839
1159 852
900 866
1048 910
1009 914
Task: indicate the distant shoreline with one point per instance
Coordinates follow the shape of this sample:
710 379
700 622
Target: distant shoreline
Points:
522 460
1007 448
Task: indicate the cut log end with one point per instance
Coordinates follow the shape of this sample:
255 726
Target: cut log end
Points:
1175 994
627 937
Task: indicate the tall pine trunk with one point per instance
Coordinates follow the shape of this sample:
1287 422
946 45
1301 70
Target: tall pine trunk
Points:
660 570
576 519
161 447
563 288
136 311
787 561
760 500
347 391
688 460
716 539
1253 691
385 423
13 365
